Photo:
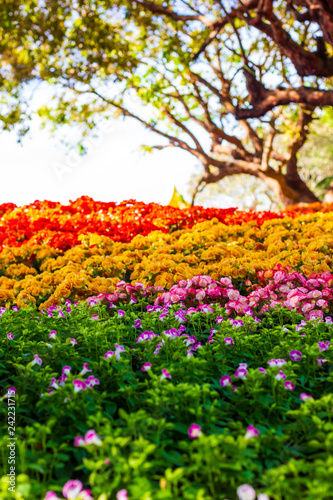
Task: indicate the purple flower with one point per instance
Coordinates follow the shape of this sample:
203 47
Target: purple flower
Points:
54 383
262 370
320 361
165 374
66 370
15 308
276 362
289 385
122 495
137 323
79 441
225 380
146 335
119 349
73 342
246 492
92 438
72 489
323 346
52 334
36 360
304 396
228 341
280 375
194 431
10 336
295 355
121 314
241 373
91 381
251 432
79 385
109 354
146 367
85 369
219 320
50 495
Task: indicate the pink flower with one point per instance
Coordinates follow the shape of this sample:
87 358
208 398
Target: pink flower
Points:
246 492
50 495
10 336
241 373
146 367
295 355
280 375
119 349
62 380
72 489
289 385
165 374
251 432
262 496
262 370
92 438
109 354
194 431
36 360
66 370
121 314
320 361
54 383
79 385
225 380
94 317
52 334
323 346
304 396
228 341
79 441
276 362
219 320
73 342
85 369
200 295
137 323
122 495
225 282
91 381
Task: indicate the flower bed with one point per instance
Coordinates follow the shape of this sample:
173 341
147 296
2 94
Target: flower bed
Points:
189 364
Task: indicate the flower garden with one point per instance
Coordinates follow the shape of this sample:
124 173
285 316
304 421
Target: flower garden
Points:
153 353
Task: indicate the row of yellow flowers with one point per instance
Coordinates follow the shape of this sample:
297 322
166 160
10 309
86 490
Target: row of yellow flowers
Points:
44 276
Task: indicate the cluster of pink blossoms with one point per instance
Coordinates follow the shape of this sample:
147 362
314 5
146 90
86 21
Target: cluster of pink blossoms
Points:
79 384
309 296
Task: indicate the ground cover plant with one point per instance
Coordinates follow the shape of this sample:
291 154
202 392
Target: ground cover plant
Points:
193 363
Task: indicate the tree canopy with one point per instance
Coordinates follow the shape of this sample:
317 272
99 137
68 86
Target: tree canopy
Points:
236 84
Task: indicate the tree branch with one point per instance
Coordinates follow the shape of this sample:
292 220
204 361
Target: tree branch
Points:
265 100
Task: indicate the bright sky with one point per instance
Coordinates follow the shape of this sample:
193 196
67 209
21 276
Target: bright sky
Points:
113 170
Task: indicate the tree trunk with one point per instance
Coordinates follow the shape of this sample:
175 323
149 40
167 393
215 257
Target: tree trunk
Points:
328 198
289 190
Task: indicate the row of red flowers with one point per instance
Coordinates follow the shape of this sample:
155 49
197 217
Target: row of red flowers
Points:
57 225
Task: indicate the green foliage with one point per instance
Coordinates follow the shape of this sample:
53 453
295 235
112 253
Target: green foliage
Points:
143 421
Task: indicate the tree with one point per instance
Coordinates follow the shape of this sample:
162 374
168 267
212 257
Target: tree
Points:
226 83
